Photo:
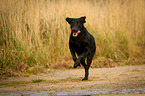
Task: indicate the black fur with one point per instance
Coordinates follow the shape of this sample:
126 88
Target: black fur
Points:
82 43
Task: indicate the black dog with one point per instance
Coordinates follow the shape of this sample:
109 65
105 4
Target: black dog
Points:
82 43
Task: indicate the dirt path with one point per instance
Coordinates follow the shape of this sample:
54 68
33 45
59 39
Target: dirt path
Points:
126 77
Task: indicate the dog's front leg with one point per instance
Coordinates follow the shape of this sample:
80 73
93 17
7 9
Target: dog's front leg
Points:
81 56
74 57
77 63
73 54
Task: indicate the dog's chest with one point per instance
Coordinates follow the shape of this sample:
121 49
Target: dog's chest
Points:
78 45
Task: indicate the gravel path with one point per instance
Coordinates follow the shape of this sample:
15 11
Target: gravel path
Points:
117 78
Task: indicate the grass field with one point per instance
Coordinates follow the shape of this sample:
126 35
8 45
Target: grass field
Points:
35 33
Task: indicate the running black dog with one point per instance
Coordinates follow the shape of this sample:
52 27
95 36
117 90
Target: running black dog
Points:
82 43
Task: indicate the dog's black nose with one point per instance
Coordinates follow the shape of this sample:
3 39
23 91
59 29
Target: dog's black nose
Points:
74 30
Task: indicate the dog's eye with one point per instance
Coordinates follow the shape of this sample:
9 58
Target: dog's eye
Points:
72 23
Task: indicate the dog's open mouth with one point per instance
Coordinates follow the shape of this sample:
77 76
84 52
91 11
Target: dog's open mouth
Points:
75 34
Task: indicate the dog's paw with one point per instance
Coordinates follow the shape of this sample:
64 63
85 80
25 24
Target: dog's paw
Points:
84 79
76 65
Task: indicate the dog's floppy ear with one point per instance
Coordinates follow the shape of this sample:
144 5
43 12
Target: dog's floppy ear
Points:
83 19
68 20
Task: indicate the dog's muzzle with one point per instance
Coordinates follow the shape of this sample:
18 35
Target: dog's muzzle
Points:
75 34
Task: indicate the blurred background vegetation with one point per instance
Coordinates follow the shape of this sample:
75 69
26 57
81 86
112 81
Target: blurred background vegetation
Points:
34 33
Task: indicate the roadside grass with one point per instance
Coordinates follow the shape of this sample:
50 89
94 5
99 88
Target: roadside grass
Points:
4 78
124 75
14 83
34 33
41 81
25 82
38 80
135 70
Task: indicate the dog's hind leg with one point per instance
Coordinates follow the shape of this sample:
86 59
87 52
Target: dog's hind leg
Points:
86 74
89 61
86 69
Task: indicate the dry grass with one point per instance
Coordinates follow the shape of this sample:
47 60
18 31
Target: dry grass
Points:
34 32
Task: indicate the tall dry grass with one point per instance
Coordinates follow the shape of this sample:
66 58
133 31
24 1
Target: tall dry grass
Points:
34 32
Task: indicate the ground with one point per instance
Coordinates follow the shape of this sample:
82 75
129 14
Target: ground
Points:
124 77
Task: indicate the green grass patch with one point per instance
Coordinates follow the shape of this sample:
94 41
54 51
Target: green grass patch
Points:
4 78
101 79
123 75
38 80
25 82
96 77
51 81
14 83
135 70
135 77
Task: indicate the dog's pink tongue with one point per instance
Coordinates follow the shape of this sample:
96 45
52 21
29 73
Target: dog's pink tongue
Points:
79 31
76 34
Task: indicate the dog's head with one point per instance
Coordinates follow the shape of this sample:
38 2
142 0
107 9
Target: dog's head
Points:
76 25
